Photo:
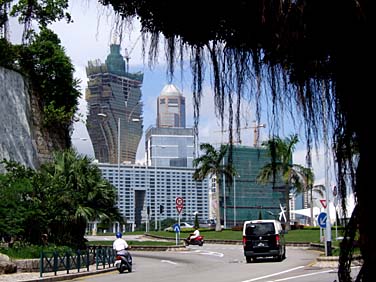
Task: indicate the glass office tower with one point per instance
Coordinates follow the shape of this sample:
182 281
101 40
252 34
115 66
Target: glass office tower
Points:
245 199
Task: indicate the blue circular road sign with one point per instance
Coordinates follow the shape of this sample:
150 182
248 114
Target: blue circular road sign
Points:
176 228
321 219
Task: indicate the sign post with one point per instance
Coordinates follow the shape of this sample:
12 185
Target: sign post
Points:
179 201
335 192
177 232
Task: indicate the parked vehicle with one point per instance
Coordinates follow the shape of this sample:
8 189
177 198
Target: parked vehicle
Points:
123 261
209 223
196 241
182 226
263 238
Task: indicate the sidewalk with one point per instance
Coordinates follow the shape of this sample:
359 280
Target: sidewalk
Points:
50 276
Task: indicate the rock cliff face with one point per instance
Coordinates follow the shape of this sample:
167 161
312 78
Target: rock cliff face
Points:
16 123
22 136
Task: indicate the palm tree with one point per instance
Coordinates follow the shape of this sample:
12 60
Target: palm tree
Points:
209 164
76 194
281 165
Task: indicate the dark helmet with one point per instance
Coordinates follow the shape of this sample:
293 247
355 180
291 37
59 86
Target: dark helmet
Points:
118 234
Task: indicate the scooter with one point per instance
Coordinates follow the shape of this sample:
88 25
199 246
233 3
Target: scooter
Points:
123 261
195 241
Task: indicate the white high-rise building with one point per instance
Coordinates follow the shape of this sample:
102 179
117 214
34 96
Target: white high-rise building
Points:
171 107
142 188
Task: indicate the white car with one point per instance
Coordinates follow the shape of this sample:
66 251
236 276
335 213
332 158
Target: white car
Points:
182 226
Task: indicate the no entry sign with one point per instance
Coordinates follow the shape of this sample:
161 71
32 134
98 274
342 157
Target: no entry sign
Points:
179 204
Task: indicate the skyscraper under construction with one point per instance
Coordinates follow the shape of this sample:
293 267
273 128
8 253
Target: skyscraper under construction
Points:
114 120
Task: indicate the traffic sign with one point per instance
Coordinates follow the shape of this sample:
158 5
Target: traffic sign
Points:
323 203
176 227
179 201
335 191
321 219
179 208
179 204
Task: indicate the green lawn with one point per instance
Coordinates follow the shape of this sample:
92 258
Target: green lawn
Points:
300 235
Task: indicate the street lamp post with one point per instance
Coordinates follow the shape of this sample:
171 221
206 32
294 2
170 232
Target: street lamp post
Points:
118 148
224 199
235 198
155 197
328 229
118 162
156 186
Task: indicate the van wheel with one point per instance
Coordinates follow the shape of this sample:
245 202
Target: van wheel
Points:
248 259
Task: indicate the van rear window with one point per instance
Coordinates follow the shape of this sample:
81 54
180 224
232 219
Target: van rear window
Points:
259 229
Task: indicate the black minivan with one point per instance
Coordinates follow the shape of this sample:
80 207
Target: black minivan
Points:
263 238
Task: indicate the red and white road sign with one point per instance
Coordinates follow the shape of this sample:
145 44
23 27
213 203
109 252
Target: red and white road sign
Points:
179 201
179 204
323 203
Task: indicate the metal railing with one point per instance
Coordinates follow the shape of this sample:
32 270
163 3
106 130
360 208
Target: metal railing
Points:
55 261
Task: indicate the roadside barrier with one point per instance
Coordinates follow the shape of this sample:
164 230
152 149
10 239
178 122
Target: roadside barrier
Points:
102 256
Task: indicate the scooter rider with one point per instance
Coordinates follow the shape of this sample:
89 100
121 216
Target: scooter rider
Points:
121 246
194 235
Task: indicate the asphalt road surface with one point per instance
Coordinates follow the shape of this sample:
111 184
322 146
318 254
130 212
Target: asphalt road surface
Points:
219 263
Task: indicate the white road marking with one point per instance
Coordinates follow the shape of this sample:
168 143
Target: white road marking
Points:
169 261
303 275
207 253
274 274
215 254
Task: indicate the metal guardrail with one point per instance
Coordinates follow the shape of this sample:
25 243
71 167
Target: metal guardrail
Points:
54 261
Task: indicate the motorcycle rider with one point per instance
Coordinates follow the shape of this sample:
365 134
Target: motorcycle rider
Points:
193 235
121 246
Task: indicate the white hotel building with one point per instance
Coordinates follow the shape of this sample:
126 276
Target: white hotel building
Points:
140 187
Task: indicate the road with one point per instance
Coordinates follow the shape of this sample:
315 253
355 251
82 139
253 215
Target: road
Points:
220 263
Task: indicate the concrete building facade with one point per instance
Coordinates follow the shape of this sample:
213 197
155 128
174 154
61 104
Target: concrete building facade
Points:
142 189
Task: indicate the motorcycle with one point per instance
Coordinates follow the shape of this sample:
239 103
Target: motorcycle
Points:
123 261
195 241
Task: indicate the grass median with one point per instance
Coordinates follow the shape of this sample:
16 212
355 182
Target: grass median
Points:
306 235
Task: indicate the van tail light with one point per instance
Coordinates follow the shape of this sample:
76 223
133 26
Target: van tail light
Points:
277 240
245 241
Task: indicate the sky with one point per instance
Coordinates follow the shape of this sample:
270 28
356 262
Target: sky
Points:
89 38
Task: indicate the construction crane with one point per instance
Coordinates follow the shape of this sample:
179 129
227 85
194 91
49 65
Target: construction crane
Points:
256 132
127 54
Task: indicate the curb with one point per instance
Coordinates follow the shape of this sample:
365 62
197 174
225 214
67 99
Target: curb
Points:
63 277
